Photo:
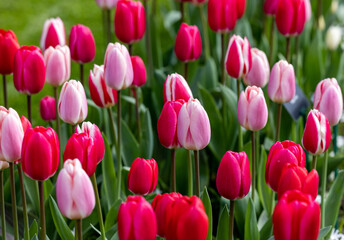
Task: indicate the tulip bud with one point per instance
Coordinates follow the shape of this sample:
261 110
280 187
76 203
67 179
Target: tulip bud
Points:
238 59
291 17
57 62
130 21
72 105
317 134
143 176
282 153
188 46
328 93
8 48
101 94
281 86
175 87
252 109
136 220
270 7
186 219
160 205
167 124
222 15
296 216
81 44
333 37
139 71
40 153
47 108
260 70
294 177
3 165
193 126
233 179
29 70
107 4
118 70
53 33
74 191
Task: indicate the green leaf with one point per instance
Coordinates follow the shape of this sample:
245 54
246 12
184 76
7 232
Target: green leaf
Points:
240 213
94 114
33 229
324 231
31 188
251 228
111 216
34 237
130 146
334 200
264 226
223 225
147 141
60 224
207 205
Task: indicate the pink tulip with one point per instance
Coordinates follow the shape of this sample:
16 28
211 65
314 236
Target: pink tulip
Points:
317 134
328 93
260 70
188 46
29 70
57 62
81 44
107 4
3 165
53 33
139 70
193 127
252 109
270 7
175 87
47 108
8 48
238 59
281 86
222 15
308 9
118 70
74 191
101 94
72 105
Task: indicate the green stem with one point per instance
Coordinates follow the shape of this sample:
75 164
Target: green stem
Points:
130 49
98 206
205 32
78 228
112 126
271 39
2 199
240 137
82 74
56 90
148 45
173 170
198 184
253 165
190 175
137 110
314 162
319 8
278 124
14 203
323 190
74 128
22 189
42 210
29 115
4 83
287 52
119 159
108 25
186 71
223 77
231 218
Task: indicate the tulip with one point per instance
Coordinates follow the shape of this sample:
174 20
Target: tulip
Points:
238 57
252 109
308 9
136 220
294 177
143 176
222 15
74 191
282 153
296 216
130 21
57 62
260 70
270 7
101 94
186 219
290 17
53 33
118 70
188 46
47 108
72 105
193 127
175 87
281 86
317 134
81 44
233 179
29 70
139 71
333 37
241 5
160 205
328 93
107 4
8 48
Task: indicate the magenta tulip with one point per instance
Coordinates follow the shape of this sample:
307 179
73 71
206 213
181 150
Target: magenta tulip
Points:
47 108
222 15
8 48
81 43
53 33
260 70
188 46
139 70
175 87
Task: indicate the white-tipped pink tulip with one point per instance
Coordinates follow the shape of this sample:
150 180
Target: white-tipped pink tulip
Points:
57 63
193 128
53 33
118 70
260 71
175 88
72 105
74 191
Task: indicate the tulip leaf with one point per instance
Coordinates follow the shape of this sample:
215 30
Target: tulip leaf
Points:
31 188
251 227
223 225
323 232
33 229
34 237
111 216
60 224
208 209
130 146
334 200
265 226
147 141
240 212
94 114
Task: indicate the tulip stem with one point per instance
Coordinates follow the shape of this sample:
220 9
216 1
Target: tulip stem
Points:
323 191
108 24
287 51
198 184
231 218
278 124
190 175
319 7
182 11
148 44
205 32
78 229
3 217
138 117
173 170
186 71
271 39
4 83
58 124
29 115
223 79
240 138
119 159
98 206
22 188
112 126
73 128
253 165
14 203
42 210
314 165
130 49
82 74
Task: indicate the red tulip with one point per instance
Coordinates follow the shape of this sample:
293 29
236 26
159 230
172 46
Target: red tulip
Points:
241 5
47 108
222 15
8 48
139 70
188 46
81 44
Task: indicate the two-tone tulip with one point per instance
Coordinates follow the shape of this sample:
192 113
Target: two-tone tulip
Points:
53 33
81 43
260 70
8 48
188 46
47 108
175 87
